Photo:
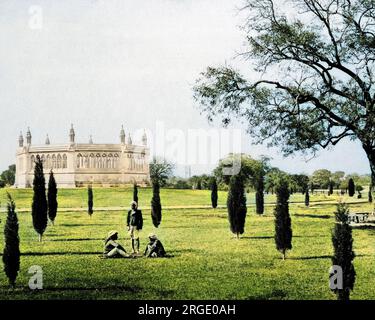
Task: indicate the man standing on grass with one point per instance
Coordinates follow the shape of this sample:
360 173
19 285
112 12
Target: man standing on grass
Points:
135 224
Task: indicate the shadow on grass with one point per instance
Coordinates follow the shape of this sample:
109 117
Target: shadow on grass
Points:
132 289
326 216
63 253
76 239
258 238
273 295
310 258
272 237
79 253
84 224
365 227
111 289
209 215
321 257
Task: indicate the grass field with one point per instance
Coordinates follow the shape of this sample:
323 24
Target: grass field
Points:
121 197
207 262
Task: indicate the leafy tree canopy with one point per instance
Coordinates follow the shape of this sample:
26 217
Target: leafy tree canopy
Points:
8 176
249 169
315 72
321 178
160 171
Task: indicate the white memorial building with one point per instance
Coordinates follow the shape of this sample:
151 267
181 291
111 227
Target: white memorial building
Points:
79 164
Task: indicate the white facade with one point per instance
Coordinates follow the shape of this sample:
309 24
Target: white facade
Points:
77 164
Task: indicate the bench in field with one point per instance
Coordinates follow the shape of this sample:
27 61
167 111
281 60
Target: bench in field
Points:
358 217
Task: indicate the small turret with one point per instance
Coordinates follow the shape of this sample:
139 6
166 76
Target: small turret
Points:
47 140
90 140
20 140
144 138
72 134
122 135
130 141
28 137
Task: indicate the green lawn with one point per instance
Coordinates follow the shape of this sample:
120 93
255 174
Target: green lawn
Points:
121 197
118 197
207 262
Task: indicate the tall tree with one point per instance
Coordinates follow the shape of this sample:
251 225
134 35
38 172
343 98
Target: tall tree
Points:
11 255
39 205
258 177
321 178
330 188
259 196
214 195
199 185
351 187
301 182
271 178
307 198
52 197
9 176
160 170
90 200
337 177
156 204
343 256
283 224
135 192
251 171
316 72
236 204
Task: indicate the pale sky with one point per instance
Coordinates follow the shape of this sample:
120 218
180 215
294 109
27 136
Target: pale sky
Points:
101 64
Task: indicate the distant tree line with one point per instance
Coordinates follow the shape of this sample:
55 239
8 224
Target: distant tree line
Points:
324 179
8 177
321 179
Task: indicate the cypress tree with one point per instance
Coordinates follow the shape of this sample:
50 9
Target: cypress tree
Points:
330 188
199 184
283 228
160 170
156 204
236 204
351 187
90 200
259 196
307 198
52 197
11 255
39 205
214 195
135 192
343 256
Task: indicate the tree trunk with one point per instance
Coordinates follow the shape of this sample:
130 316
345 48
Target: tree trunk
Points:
40 238
370 192
370 152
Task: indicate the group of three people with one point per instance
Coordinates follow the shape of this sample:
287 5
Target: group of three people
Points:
112 249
